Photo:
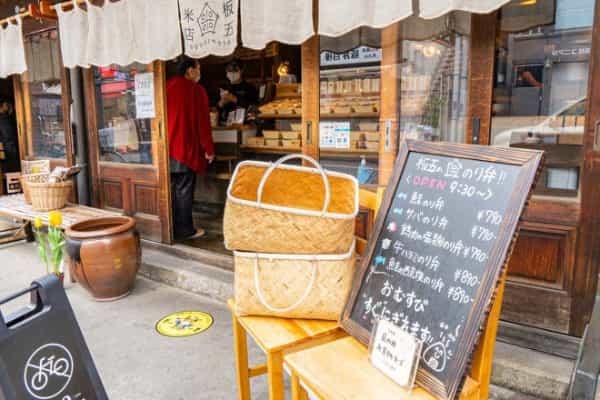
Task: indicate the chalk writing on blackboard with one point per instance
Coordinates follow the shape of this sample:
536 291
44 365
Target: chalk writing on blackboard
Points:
433 247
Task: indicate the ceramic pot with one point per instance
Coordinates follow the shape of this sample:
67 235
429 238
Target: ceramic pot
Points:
104 256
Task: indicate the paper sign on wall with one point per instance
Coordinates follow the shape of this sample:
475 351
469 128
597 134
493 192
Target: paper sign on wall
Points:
334 135
144 96
396 353
210 27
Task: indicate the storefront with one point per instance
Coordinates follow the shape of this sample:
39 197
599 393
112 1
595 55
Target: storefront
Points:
514 77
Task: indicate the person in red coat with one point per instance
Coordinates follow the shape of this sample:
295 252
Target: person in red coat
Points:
191 146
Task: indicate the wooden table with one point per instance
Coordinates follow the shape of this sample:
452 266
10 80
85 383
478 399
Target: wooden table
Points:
15 206
341 369
276 337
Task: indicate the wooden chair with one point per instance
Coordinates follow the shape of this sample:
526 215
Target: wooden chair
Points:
341 368
278 337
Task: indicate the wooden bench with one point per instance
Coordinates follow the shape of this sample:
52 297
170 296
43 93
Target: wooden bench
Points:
341 369
278 337
14 206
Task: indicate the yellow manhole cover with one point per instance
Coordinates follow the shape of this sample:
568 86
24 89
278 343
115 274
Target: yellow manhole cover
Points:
184 323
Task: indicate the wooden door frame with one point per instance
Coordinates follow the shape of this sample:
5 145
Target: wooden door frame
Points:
158 170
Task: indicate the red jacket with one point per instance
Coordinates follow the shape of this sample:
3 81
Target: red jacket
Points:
190 134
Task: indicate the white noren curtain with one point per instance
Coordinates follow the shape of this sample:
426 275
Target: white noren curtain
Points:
337 17
264 21
436 8
73 29
12 50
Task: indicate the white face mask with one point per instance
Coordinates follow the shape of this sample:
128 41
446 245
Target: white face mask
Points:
198 78
233 76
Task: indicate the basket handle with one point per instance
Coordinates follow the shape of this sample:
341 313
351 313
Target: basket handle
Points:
265 303
276 164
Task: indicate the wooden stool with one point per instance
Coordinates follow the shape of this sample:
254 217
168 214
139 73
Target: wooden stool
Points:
276 337
280 336
341 370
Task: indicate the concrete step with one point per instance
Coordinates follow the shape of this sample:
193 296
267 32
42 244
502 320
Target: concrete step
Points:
192 254
188 275
530 372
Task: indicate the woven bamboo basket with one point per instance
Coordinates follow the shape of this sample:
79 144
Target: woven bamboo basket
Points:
275 208
26 179
46 196
293 286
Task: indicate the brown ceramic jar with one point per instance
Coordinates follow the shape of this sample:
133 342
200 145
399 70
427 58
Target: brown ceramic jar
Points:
104 256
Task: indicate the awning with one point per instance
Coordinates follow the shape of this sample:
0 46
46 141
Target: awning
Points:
130 31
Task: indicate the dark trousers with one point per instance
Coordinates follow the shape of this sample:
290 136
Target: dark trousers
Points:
183 185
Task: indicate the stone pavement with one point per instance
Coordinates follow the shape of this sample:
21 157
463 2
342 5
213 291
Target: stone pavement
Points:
134 361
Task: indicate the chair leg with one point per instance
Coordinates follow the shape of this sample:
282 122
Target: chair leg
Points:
241 359
298 392
275 371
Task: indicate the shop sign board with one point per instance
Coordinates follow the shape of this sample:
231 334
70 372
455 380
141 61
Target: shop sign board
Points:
438 250
210 27
43 354
144 96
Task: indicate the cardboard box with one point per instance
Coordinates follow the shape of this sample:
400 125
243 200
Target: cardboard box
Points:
13 184
272 134
291 143
290 135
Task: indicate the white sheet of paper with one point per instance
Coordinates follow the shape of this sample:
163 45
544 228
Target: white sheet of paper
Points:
396 353
144 96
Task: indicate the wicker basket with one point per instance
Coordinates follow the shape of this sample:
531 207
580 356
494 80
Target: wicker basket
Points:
25 179
293 286
275 208
48 196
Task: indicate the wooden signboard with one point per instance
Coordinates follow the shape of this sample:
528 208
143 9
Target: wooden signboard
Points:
440 243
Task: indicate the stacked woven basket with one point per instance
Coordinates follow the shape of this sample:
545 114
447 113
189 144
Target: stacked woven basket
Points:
292 232
39 191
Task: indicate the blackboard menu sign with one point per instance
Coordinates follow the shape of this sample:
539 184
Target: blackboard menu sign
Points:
43 355
440 243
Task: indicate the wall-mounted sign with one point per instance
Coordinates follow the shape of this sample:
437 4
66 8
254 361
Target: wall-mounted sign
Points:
144 96
359 55
334 135
439 245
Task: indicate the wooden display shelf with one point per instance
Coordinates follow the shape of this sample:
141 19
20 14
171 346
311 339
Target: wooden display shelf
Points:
269 149
280 116
349 115
369 154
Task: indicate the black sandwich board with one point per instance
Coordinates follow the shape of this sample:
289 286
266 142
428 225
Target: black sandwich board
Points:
43 355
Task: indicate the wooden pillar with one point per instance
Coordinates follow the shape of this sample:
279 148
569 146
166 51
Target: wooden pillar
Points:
389 118
481 76
20 116
310 97
161 151
587 256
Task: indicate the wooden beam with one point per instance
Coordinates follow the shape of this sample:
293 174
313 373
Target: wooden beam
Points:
587 262
481 76
310 97
389 119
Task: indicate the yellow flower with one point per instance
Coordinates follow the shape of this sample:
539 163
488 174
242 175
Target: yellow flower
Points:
38 223
55 219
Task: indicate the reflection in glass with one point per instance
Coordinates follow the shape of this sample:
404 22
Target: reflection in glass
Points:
540 87
434 88
47 120
123 137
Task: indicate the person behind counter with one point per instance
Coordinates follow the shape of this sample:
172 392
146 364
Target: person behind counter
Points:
238 93
190 143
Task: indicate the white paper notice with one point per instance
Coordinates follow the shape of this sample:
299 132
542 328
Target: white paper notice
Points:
334 135
396 353
210 27
144 96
